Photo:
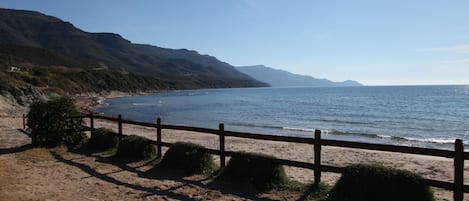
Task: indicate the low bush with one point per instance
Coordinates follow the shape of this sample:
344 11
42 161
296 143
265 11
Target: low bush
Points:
103 139
189 158
50 123
256 169
374 182
136 148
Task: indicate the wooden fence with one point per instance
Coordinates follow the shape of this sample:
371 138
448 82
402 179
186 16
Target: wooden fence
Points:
458 187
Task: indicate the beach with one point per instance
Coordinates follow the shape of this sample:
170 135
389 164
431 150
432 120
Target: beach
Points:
87 102
429 167
69 176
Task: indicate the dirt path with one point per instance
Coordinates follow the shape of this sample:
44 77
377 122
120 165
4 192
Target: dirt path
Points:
43 174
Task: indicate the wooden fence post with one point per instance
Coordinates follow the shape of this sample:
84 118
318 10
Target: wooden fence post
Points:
33 133
34 138
119 123
158 136
458 192
222 145
91 121
24 122
317 158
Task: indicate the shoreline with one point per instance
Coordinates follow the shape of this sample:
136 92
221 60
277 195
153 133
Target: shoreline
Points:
341 121
91 103
437 168
429 167
88 102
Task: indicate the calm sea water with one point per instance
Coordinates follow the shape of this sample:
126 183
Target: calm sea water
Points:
426 116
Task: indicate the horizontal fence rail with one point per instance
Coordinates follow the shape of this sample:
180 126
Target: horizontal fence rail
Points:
390 148
458 187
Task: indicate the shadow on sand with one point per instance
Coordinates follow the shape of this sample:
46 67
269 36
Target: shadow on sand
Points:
208 182
160 173
156 172
89 170
15 149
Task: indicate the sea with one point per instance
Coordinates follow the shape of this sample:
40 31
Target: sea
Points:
422 116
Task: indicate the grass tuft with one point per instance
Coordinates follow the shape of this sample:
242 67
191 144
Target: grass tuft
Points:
374 182
189 158
256 169
136 148
102 139
35 155
320 192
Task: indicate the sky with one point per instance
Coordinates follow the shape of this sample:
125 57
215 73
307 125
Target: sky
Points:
375 42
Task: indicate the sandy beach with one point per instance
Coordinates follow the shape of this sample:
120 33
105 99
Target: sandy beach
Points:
437 168
65 175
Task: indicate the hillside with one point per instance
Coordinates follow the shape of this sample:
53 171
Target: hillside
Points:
281 78
55 42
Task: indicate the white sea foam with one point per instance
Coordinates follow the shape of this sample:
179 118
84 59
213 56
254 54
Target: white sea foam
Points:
148 104
384 136
433 140
299 129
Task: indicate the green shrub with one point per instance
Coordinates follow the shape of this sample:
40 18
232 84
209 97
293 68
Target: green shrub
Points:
256 169
136 148
188 158
103 139
374 182
49 122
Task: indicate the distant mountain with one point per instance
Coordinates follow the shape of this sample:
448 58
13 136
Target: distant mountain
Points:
281 78
177 68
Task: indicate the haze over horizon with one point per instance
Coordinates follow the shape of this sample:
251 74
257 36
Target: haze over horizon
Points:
373 42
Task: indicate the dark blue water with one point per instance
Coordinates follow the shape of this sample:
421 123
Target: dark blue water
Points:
427 116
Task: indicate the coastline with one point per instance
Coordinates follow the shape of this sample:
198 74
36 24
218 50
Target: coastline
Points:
428 167
88 102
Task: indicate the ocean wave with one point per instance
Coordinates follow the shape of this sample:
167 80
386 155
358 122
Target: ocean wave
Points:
101 100
275 127
367 135
346 122
299 129
148 104
441 141
435 140
256 125
396 138
141 104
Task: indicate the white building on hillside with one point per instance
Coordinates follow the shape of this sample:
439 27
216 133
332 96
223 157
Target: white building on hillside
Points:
13 69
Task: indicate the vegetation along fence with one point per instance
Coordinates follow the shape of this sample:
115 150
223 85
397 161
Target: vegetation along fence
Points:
458 187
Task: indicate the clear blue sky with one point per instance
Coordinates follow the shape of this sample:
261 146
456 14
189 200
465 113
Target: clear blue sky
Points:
376 42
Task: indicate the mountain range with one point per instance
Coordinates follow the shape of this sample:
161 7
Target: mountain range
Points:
56 56
180 68
281 78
